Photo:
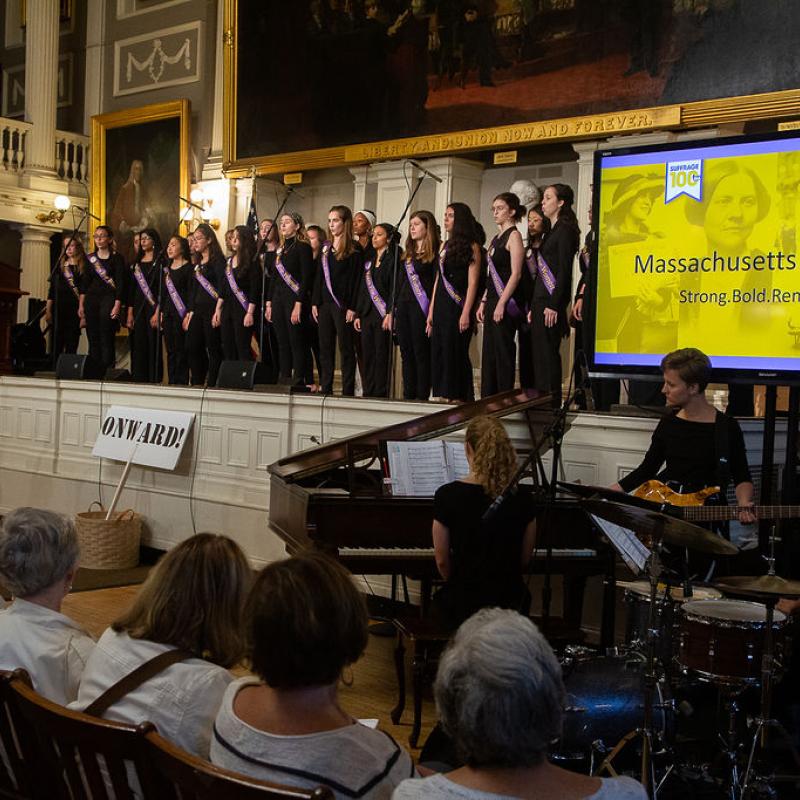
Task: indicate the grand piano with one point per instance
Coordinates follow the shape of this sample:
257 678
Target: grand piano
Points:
333 498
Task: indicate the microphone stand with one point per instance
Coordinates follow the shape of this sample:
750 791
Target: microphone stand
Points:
263 305
393 306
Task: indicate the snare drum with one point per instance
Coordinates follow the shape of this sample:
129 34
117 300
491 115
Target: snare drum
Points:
722 640
637 603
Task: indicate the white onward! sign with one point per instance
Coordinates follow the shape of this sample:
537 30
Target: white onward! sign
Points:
144 436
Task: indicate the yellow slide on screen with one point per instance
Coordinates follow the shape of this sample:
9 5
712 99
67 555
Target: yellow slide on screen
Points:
698 248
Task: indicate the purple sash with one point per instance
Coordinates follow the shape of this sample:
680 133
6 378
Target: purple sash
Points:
101 271
544 271
285 274
180 307
237 292
142 281
448 287
499 287
205 283
416 287
69 277
326 272
585 257
374 294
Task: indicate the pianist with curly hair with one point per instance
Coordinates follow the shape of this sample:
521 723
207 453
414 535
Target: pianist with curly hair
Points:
482 560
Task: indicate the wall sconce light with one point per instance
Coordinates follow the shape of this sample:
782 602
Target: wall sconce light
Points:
62 204
200 210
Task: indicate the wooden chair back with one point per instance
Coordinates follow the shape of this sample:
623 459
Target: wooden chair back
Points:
179 774
14 782
74 755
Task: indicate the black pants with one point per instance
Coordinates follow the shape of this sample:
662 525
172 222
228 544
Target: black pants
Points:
415 351
499 355
333 328
177 360
525 354
146 363
376 344
66 330
294 353
100 329
546 345
235 337
204 348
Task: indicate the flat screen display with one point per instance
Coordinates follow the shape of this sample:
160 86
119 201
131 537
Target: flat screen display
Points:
697 247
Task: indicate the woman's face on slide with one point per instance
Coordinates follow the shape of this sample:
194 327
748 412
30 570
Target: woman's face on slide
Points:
732 212
641 207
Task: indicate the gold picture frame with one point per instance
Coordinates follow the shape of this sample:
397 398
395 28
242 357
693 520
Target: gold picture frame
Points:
141 134
676 116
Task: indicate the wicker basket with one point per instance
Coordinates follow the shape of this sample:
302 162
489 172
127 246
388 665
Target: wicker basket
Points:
108 544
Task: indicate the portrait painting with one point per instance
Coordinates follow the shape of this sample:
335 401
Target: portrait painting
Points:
140 170
318 74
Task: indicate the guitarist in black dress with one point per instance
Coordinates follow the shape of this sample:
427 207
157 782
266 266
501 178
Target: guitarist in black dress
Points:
696 445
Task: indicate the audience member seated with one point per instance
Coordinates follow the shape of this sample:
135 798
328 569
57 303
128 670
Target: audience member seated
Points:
38 562
305 622
500 698
193 601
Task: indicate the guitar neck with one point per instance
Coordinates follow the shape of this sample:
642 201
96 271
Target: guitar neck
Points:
714 513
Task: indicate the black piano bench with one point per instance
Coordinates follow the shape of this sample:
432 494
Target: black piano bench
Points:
428 638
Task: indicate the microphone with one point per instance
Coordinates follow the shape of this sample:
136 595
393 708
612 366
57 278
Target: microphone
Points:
86 211
423 170
190 203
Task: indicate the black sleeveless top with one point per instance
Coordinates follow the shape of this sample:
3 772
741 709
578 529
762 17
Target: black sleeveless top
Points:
501 258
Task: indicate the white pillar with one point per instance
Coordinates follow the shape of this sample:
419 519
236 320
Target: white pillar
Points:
35 264
461 182
213 165
95 57
359 187
41 86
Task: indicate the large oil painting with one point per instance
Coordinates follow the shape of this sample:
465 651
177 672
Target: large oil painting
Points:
313 74
140 170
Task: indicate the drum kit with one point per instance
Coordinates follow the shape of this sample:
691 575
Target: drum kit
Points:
679 637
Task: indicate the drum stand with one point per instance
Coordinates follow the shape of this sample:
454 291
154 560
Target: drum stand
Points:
765 721
645 733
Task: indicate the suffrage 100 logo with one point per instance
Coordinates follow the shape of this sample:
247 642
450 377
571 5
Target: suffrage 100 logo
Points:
684 177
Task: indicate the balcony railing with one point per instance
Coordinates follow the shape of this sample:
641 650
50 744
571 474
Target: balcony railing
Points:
72 150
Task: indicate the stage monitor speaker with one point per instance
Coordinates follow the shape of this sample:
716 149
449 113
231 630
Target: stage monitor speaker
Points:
237 375
71 366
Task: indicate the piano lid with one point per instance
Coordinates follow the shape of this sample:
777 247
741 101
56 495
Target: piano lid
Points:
365 445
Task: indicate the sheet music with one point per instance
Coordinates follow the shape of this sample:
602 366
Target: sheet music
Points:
625 542
417 469
458 466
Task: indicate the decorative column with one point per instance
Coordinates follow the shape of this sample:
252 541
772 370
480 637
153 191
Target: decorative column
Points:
360 187
461 182
41 89
35 264
213 166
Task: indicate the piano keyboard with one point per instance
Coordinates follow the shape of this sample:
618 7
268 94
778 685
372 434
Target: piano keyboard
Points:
427 552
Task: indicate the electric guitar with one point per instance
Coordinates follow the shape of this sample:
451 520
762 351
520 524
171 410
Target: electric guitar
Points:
693 510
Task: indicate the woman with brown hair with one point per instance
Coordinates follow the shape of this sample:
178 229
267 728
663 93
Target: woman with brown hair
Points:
289 299
502 308
481 560
305 623
62 298
414 291
192 601
202 334
241 296
334 299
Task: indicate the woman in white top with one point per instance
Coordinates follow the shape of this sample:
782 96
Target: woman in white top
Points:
500 698
192 601
38 562
305 622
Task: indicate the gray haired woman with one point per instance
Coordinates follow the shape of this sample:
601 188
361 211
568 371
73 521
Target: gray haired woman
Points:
38 562
500 697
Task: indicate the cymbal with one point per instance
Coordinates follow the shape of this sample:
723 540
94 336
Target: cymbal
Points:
587 490
649 523
759 585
